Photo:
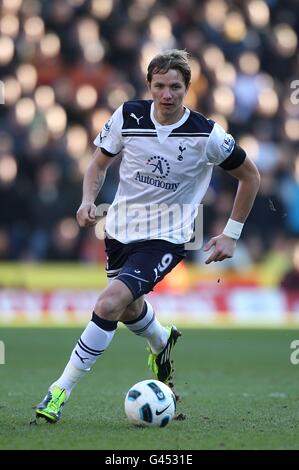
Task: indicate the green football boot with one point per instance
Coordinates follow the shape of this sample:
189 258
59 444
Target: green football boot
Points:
161 364
51 406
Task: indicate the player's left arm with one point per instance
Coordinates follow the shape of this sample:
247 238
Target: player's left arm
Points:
249 180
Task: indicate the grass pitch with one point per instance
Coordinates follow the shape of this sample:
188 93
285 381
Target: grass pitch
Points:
238 390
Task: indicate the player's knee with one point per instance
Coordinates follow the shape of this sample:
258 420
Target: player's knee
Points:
109 307
113 301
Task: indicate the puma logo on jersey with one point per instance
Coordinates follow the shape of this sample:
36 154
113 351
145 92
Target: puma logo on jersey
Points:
136 118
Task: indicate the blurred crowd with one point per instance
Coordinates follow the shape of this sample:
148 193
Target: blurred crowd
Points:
66 65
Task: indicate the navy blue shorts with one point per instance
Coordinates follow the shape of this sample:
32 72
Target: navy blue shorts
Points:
141 265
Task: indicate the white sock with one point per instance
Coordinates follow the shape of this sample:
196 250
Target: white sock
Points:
148 326
69 378
94 340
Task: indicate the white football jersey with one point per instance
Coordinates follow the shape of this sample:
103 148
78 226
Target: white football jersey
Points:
164 173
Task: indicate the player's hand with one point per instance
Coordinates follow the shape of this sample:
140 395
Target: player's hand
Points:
86 215
224 247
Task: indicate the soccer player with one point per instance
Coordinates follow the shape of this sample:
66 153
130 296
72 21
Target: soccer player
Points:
168 154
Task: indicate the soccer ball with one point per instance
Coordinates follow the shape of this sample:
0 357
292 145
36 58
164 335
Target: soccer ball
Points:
150 403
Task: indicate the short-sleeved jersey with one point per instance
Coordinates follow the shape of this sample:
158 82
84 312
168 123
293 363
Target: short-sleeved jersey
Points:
164 173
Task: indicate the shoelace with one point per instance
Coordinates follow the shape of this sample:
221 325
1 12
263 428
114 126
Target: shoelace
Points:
54 402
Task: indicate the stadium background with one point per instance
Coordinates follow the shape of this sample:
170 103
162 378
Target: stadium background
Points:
65 66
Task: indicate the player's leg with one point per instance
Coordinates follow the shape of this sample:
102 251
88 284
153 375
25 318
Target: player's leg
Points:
91 345
139 317
145 267
160 339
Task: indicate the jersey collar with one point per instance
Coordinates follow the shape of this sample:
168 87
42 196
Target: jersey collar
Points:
164 131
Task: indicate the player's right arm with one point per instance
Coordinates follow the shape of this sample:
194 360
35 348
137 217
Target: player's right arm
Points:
109 144
92 183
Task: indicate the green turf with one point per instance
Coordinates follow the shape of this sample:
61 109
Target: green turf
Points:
238 391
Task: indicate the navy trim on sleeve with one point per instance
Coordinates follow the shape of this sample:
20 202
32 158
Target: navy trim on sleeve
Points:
108 154
195 124
235 159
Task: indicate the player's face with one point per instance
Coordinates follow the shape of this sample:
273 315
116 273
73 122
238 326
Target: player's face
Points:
168 91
